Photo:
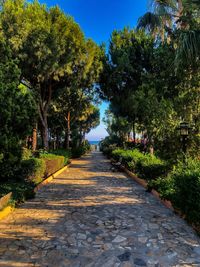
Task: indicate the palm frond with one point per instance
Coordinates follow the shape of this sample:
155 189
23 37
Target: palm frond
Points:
162 6
149 21
188 48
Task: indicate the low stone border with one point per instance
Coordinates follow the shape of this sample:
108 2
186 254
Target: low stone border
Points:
7 210
144 184
140 181
5 199
50 178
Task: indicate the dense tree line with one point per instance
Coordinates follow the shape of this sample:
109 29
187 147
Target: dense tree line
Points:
151 76
51 77
48 73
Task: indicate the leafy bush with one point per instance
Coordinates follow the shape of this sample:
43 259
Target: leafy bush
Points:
33 170
77 152
150 167
186 188
20 190
129 158
63 152
107 150
53 163
145 165
117 154
10 163
164 185
18 112
109 144
26 153
182 188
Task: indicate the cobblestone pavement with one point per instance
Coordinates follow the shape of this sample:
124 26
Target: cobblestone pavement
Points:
90 216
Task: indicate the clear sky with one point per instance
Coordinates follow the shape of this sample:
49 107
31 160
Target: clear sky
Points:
98 18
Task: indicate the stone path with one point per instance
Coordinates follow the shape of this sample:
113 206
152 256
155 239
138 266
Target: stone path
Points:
90 216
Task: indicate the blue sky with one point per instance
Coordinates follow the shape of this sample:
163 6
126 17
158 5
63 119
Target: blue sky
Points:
98 18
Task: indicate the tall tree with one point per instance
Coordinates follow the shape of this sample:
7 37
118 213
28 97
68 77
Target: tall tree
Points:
127 61
18 111
48 44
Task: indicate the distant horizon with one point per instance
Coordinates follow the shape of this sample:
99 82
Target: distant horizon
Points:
97 139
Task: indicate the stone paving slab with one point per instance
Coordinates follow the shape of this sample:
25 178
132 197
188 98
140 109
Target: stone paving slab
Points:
90 216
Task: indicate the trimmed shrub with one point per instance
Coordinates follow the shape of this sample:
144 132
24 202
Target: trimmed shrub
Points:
107 150
129 158
53 163
26 153
77 152
145 165
63 152
20 191
150 167
33 170
186 188
117 154
164 185
182 188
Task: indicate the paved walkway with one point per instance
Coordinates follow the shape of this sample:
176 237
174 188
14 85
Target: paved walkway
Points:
92 217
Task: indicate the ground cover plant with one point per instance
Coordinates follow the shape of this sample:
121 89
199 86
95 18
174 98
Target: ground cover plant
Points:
146 166
32 171
182 188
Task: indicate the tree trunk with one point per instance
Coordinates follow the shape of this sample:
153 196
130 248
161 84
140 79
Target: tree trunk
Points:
134 133
81 136
68 129
34 144
44 127
57 140
45 134
43 113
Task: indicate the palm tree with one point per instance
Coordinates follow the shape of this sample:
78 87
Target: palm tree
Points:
177 20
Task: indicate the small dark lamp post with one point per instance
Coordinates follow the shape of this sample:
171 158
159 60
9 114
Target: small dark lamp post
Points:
184 129
184 132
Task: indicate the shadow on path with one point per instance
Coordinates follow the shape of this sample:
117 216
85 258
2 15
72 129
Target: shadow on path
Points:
89 216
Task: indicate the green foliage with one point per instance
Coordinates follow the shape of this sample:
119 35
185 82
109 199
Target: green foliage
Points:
17 109
150 167
186 186
77 152
182 188
63 152
145 165
116 126
128 156
164 185
55 60
53 163
21 191
33 170
109 144
26 153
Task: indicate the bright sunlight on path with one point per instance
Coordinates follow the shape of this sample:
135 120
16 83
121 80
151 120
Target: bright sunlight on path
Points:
90 216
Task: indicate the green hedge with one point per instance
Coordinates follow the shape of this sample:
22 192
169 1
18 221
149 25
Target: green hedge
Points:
33 170
145 165
77 152
20 191
150 167
186 188
53 163
182 188
63 152
26 153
